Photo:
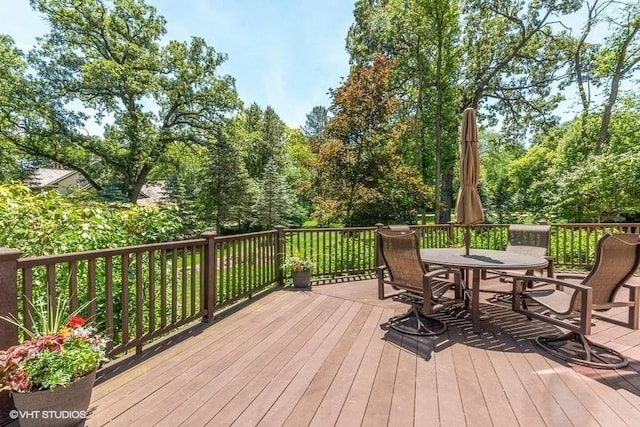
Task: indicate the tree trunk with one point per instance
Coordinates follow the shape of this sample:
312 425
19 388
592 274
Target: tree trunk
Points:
603 135
447 197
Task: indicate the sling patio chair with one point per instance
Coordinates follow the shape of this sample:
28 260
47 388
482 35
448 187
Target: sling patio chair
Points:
524 239
572 305
406 228
423 290
529 239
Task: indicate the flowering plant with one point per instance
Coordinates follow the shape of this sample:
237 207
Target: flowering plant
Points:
58 352
295 263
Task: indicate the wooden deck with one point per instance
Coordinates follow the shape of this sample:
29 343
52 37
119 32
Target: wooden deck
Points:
322 357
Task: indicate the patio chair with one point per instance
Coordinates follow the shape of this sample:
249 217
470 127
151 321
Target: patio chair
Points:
530 240
406 228
572 305
423 290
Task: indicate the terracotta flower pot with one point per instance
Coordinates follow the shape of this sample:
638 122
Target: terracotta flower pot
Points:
301 279
61 407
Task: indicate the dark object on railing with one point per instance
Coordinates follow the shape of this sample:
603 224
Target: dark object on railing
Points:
617 258
423 290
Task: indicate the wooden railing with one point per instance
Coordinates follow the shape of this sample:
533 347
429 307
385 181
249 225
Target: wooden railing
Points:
572 246
336 252
138 293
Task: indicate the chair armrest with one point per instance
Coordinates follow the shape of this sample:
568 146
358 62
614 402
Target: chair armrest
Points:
631 285
571 276
547 280
438 272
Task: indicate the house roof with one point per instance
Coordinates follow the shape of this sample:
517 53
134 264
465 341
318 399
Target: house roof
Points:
153 192
45 177
150 193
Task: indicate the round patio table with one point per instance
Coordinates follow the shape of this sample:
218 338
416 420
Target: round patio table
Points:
475 262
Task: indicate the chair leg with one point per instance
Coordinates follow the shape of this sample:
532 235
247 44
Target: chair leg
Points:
634 310
414 322
576 348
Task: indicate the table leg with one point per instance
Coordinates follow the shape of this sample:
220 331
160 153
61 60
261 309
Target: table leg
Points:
475 300
465 272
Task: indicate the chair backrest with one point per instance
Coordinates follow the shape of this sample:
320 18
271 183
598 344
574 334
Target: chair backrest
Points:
399 227
530 240
400 251
617 257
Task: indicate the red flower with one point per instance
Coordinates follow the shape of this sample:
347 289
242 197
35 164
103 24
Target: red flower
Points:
76 321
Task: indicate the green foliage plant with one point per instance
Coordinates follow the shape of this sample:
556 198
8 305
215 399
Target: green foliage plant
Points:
48 223
296 263
60 349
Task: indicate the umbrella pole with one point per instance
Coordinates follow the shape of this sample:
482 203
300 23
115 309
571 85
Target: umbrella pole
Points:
467 239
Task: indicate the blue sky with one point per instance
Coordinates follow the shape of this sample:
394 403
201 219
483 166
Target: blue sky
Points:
283 53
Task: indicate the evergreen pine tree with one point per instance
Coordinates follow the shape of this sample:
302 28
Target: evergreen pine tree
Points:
185 201
111 192
274 204
226 191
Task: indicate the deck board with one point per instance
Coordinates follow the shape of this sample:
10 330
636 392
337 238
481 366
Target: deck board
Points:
324 357
306 406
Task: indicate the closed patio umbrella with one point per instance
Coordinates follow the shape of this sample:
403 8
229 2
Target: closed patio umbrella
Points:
468 205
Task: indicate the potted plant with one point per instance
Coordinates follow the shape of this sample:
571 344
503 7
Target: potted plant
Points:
51 373
300 269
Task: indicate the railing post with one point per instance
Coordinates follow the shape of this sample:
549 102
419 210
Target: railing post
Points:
280 253
451 232
378 257
8 306
209 275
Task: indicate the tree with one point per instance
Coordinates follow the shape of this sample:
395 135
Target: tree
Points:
263 139
359 173
226 190
108 57
300 174
603 189
603 65
420 36
314 126
183 197
620 58
274 203
316 122
497 155
512 61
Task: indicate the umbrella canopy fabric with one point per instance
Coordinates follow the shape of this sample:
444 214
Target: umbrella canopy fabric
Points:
468 206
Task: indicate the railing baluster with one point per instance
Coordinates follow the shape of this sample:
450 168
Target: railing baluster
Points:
184 285
124 298
152 290
27 290
51 287
91 290
203 280
193 280
163 288
174 285
73 285
139 301
108 302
